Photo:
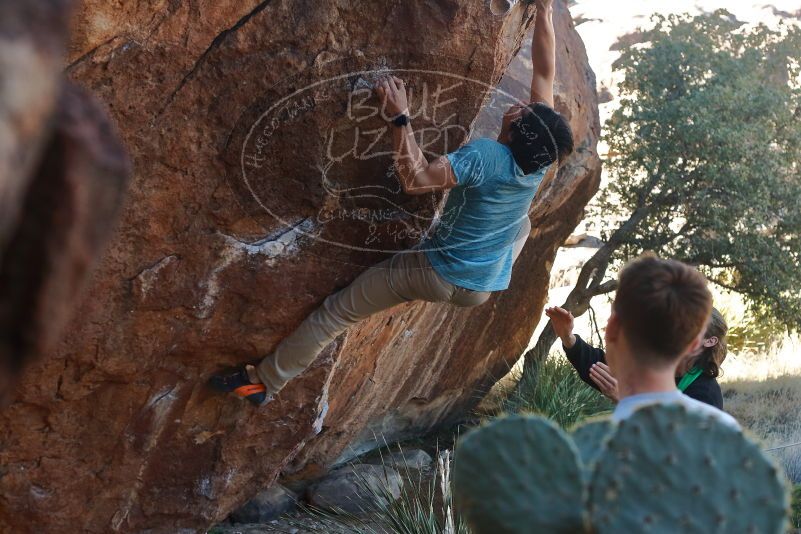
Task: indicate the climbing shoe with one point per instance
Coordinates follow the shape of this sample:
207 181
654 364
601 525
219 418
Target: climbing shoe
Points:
237 382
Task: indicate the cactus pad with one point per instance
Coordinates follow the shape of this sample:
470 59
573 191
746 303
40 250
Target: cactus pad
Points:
589 438
667 470
519 474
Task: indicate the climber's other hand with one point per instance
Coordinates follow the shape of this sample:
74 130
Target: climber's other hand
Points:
392 92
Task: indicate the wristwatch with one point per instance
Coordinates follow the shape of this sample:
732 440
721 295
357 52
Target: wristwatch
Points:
401 120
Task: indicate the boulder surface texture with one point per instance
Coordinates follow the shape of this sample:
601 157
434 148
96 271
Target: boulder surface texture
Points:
262 183
357 489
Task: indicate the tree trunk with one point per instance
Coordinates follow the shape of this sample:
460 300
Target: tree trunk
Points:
577 303
588 285
539 352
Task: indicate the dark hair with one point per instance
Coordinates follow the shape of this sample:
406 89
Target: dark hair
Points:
712 357
662 306
540 137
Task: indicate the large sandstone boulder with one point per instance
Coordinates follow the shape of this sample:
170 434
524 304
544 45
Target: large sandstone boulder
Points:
262 184
430 374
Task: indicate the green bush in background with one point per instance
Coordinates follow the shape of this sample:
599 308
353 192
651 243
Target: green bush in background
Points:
554 390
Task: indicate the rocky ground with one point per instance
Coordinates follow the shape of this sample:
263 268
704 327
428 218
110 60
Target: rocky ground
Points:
278 509
296 524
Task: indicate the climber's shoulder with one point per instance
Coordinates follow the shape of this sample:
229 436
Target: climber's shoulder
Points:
482 148
477 161
485 143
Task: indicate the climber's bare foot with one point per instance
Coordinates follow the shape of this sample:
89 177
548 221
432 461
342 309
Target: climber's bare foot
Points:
239 382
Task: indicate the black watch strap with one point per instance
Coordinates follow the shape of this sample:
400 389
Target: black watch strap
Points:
401 120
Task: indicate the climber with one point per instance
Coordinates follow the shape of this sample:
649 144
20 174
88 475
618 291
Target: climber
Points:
696 375
471 252
660 314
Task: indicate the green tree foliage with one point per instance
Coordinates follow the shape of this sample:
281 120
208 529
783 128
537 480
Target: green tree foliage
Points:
704 155
705 151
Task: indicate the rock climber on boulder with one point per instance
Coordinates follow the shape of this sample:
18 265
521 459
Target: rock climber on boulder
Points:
472 250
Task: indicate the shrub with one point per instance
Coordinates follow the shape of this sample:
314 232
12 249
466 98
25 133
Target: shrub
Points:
424 507
555 391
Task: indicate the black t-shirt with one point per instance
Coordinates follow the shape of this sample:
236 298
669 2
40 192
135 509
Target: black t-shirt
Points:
583 355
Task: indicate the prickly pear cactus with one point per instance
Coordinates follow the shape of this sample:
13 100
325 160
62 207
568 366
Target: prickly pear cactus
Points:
663 470
519 474
589 438
666 470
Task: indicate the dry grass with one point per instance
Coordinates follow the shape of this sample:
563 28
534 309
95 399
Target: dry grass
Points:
763 391
776 360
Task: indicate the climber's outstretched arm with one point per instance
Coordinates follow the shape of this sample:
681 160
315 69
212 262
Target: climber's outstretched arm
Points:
543 54
417 175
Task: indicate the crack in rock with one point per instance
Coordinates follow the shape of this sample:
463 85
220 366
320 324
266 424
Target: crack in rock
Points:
322 405
215 43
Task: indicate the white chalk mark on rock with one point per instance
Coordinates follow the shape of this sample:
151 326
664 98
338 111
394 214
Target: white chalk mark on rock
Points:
271 248
148 277
159 405
317 426
204 488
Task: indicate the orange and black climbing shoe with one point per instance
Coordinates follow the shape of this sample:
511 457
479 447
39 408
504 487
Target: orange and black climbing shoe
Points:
237 382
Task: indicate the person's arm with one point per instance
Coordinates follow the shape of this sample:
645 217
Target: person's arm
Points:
417 175
583 357
580 355
543 54
588 361
562 324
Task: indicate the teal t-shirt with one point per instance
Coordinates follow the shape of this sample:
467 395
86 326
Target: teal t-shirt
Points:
472 246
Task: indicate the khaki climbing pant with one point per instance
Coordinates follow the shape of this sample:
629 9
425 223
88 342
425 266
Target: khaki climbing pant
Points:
404 277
